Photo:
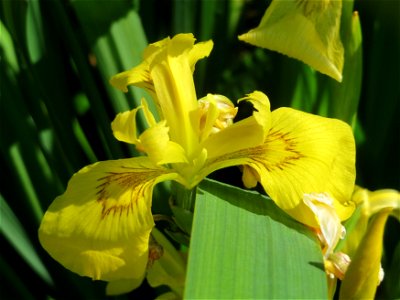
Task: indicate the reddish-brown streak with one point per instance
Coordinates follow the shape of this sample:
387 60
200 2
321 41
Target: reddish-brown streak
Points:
124 180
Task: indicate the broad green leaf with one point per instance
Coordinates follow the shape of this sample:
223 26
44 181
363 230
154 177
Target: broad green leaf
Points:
244 247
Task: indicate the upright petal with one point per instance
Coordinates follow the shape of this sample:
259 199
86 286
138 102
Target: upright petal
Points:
171 71
365 273
100 226
307 30
167 74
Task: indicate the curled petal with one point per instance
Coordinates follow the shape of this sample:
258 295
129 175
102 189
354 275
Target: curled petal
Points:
329 223
370 203
373 201
100 226
138 76
307 30
262 109
124 126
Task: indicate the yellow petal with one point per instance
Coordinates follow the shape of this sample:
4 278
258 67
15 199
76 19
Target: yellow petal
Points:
170 269
379 199
304 153
171 71
167 74
306 30
199 51
100 226
370 203
123 286
124 126
244 134
363 275
262 108
138 76
155 142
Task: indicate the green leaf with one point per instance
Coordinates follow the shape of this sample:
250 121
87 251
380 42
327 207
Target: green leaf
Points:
12 229
244 247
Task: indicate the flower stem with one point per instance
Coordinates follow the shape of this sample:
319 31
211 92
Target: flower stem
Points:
183 197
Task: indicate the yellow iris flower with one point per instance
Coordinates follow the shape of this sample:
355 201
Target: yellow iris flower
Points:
100 227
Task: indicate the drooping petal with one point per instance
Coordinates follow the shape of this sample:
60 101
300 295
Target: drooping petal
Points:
303 153
307 30
100 226
171 71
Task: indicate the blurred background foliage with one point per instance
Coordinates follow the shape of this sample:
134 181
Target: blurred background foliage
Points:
57 106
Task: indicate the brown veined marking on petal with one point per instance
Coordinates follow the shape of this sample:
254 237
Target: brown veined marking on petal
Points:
124 180
289 146
260 153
